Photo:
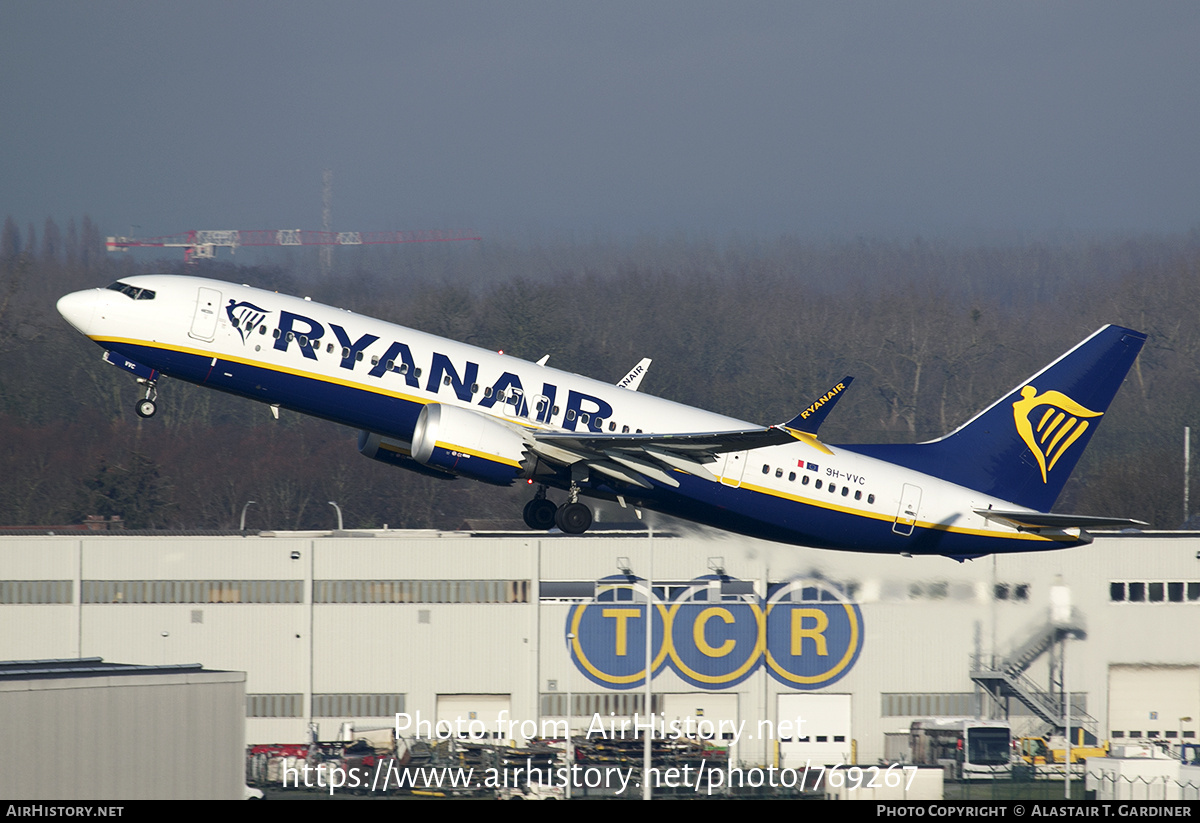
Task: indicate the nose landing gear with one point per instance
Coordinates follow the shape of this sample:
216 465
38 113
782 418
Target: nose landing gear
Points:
146 407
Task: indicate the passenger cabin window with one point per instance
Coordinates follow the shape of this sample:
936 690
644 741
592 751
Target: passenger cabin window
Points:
132 292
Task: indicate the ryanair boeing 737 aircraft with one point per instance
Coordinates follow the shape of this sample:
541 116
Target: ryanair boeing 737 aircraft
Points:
444 408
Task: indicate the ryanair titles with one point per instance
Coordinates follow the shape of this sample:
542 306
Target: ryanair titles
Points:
580 412
822 400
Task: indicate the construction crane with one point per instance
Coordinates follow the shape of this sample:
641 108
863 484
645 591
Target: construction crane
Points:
203 245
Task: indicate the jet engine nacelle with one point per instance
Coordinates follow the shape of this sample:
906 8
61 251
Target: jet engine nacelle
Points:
394 453
470 444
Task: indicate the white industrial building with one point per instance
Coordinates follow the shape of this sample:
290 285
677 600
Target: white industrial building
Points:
97 730
501 629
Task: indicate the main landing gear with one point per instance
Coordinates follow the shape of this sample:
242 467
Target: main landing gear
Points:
146 407
571 517
539 513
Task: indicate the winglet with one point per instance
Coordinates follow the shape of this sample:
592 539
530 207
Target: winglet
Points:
632 380
809 420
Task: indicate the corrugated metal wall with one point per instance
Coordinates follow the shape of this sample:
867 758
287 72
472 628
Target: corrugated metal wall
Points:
124 737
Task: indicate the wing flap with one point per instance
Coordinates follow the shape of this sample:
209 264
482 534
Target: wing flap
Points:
556 454
684 464
643 467
619 472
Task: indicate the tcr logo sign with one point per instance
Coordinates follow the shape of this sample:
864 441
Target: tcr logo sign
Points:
808 634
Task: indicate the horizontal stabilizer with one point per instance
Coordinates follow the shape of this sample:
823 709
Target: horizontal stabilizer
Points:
1032 521
809 420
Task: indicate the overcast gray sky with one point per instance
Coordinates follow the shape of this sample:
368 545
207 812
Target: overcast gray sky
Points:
813 118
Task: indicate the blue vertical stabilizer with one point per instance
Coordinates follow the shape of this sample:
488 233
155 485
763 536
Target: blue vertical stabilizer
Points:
1024 446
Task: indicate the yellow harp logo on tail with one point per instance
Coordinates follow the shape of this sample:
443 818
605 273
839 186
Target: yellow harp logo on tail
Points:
1056 428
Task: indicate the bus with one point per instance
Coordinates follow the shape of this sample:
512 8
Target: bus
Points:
965 747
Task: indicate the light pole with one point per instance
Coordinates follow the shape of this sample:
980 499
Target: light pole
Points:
626 568
338 509
242 524
1061 616
570 715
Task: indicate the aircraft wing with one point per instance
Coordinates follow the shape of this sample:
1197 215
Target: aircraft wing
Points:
695 444
633 458
1035 521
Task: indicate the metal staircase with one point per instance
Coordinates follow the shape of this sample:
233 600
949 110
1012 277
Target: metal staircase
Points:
1004 677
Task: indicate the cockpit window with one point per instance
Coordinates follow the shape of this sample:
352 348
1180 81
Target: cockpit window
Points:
132 292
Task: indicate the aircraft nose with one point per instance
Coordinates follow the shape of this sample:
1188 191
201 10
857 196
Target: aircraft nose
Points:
77 309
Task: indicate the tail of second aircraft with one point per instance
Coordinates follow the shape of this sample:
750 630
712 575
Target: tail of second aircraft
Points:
1024 446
